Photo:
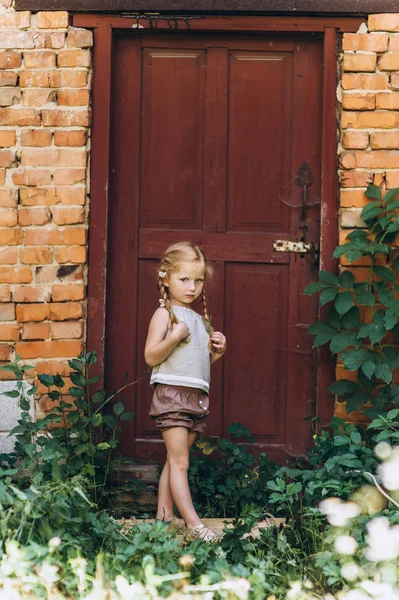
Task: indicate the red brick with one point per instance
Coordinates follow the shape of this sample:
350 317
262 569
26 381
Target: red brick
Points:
9 331
7 157
32 312
40 59
66 330
5 293
68 78
15 20
10 60
38 97
365 42
43 237
33 216
64 291
8 256
35 256
360 62
36 137
8 78
7 138
31 177
353 101
75 58
53 157
28 293
68 216
9 96
74 97
19 116
70 138
66 118
35 331
383 22
39 196
64 311
7 312
8 217
10 237
15 275
79 38
71 254
52 20
69 176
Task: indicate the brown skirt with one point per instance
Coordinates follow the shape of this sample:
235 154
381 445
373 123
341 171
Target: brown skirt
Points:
178 406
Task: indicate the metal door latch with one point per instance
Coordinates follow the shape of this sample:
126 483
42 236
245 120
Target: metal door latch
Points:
299 247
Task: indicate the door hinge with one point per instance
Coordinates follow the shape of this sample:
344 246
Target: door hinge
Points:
299 247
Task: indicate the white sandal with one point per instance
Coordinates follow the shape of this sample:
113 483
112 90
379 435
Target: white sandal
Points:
200 532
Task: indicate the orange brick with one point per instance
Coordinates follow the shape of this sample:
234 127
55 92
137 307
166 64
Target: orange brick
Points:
39 196
43 237
79 38
5 293
353 179
2 175
383 22
365 42
7 157
32 312
8 256
10 60
355 139
384 139
394 43
70 138
35 256
7 312
389 62
55 39
53 157
8 78
9 331
38 97
392 179
67 78
68 291
34 79
31 177
36 137
15 275
68 216
359 62
35 331
48 349
8 217
10 237
9 96
52 20
72 195
389 100
40 59
33 216
46 274
65 118
370 120
5 352
7 138
71 254
15 20
69 176
53 367
353 101
64 311
353 198
19 116
68 330
75 58
375 159
74 236
25 293
14 39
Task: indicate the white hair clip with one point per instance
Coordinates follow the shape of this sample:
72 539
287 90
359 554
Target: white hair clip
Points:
161 303
162 273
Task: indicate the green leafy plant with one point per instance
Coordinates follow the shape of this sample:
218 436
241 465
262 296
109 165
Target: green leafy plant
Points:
361 327
73 438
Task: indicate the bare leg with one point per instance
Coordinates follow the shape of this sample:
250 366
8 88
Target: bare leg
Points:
165 500
177 442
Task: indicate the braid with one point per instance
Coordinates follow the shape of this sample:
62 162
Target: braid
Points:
207 319
166 302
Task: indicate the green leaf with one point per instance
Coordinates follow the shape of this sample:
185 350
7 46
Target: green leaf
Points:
97 419
312 288
370 212
333 317
377 334
321 339
391 195
46 380
11 394
343 387
341 440
383 372
346 280
386 296
356 437
76 392
320 327
99 397
127 416
118 408
393 205
356 401
373 191
328 296
103 446
77 365
340 342
365 299
329 278
351 319
78 379
353 255
91 358
392 414
384 273
393 227
368 368
109 421
343 302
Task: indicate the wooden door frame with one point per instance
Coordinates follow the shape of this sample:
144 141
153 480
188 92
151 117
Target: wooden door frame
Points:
104 26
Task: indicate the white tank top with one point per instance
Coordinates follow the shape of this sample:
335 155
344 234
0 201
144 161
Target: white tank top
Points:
189 364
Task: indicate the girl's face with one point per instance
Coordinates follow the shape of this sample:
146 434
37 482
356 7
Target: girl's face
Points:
185 285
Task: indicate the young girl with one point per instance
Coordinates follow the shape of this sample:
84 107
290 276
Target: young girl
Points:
181 346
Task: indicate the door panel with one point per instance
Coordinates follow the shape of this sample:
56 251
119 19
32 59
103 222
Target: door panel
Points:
209 132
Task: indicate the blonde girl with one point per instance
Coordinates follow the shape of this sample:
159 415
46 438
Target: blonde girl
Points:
180 347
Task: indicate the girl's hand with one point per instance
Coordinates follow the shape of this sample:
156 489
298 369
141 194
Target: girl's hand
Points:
218 342
179 331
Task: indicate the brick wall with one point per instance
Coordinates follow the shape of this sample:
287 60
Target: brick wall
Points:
44 136
369 136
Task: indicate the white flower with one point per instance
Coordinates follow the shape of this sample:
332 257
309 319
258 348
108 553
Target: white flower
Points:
350 571
294 589
389 470
345 544
355 595
338 512
383 450
54 542
383 591
382 540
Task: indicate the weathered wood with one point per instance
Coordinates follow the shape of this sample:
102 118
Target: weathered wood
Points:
148 474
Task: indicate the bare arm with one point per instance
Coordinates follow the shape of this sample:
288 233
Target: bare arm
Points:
219 346
157 346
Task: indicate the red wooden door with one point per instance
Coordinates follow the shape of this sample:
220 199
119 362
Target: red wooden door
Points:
209 132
